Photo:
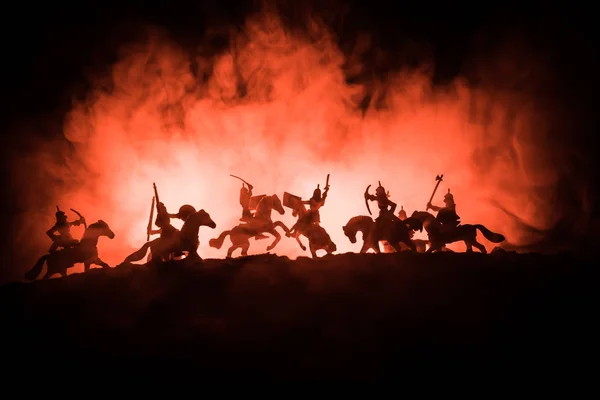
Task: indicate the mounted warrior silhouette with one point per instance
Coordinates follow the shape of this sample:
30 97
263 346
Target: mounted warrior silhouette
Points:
386 227
445 228
253 225
172 243
309 221
66 251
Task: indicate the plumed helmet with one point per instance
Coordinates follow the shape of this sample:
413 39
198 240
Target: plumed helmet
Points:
185 211
448 196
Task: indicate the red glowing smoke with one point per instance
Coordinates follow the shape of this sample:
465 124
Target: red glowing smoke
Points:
297 122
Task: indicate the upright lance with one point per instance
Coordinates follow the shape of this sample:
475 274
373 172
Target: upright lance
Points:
150 220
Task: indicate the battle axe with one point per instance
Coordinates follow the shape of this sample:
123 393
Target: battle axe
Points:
438 179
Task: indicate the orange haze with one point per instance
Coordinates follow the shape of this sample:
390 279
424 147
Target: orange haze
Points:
298 122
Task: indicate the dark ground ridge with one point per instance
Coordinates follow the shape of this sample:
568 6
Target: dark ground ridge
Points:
337 318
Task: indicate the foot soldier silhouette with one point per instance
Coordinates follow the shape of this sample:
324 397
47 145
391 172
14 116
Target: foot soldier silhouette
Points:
245 201
447 215
60 233
313 215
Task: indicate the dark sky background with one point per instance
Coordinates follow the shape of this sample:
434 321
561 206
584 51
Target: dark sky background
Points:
49 48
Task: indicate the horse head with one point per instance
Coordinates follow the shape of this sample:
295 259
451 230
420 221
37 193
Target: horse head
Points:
276 204
350 234
99 228
206 220
332 247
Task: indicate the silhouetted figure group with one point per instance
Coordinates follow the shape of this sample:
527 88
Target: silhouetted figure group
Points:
256 223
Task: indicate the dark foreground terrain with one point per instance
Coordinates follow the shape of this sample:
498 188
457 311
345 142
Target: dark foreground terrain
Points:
264 318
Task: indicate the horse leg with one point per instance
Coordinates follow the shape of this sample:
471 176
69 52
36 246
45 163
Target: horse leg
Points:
230 251
193 256
365 247
434 246
313 250
87 266
273 232
469 245
101 263
297 237
245 247
479 247
282 226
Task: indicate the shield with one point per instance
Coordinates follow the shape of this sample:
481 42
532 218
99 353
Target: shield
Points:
254 200
291 201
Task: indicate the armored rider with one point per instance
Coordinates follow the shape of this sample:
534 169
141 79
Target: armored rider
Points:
386 206
245 195
313 215
447 215
247 216
163 221
60 233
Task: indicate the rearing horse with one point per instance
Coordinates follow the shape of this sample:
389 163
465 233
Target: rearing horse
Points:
318 238
466 233
86 252
261 223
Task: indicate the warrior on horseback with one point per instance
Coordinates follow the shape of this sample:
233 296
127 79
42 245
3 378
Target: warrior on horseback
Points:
447 215
312 216
386 207
60 233
246 203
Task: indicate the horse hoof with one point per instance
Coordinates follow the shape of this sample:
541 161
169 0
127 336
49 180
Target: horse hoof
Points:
303 248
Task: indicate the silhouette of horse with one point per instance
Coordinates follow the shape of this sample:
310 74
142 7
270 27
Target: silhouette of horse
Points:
466 233
183 241
261 223
86 252
394 234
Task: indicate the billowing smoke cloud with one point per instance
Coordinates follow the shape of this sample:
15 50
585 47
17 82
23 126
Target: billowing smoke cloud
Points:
276 109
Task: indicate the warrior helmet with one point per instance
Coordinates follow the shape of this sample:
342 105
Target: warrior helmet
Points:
449 197
380 191
402 214
317 194
60 214
185 211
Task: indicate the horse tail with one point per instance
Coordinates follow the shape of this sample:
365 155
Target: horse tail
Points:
139 254
34 272
218 242
489 235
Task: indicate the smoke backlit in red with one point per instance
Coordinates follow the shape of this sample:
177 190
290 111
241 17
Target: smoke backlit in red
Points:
297 122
